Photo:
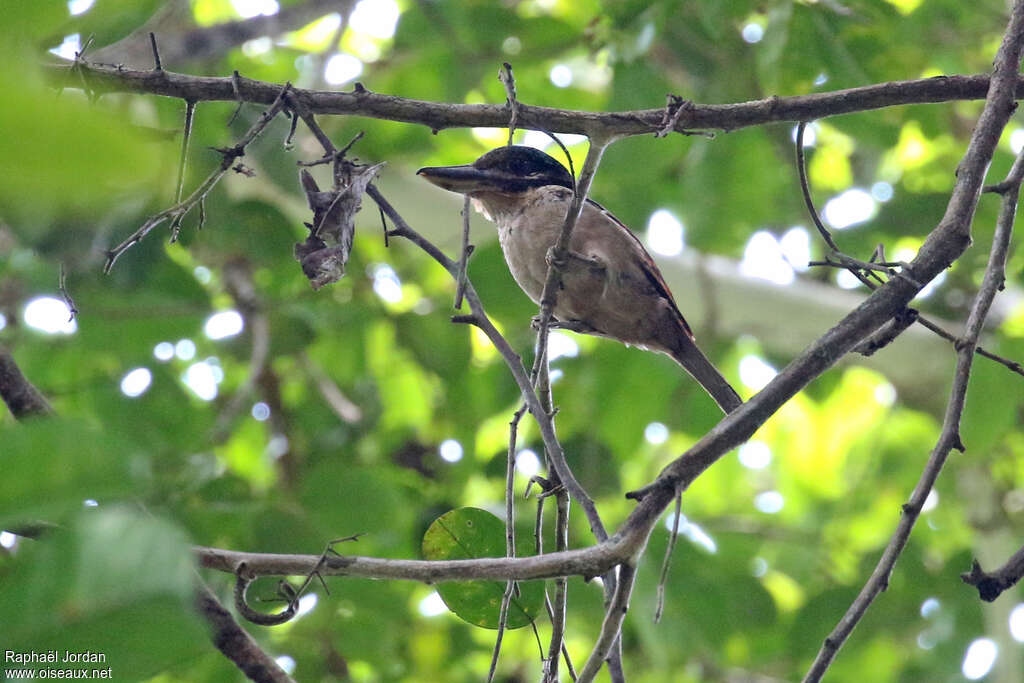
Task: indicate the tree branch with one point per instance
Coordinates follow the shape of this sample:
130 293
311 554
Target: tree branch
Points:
586 562
612 625
437 115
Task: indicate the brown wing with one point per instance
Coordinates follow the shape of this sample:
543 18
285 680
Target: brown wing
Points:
648 265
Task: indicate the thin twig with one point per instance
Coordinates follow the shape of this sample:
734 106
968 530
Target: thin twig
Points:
547 487
560 600
858 267
384 226
299 107
850 264
666 561
614 615
243 579
559 603
506 600
228 157
80 54
236 79
355 138
675 107
76 69
288 140
568 157
510 532
157 66
190 110
62 287
509 81
467 249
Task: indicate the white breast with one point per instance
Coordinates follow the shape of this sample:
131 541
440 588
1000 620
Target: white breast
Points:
527 234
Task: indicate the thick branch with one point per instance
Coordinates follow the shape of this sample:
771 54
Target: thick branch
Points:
437 115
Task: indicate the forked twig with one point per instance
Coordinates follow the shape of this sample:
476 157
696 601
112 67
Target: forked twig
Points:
863 269
228 157
509 81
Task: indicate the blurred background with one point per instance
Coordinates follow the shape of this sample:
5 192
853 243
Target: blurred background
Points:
207 395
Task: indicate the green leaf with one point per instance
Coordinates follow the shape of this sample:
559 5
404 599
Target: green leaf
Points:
80 463
470 533
89 142
25 22
116 19
117 582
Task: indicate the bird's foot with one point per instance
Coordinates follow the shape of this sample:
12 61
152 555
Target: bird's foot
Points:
571 325
552 259
574 260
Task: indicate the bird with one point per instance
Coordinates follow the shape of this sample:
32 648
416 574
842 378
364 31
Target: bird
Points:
610 287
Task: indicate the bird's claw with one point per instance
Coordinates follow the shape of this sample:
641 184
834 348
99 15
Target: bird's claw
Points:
570 325
552 259
591 263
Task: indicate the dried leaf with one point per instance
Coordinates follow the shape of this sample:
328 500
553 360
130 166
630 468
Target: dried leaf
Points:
325 252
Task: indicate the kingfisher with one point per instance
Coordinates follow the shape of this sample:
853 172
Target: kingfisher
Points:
611 286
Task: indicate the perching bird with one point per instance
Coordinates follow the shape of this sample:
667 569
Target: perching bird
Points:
610 284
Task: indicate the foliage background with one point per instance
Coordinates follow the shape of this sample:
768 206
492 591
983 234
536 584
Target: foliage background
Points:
750 591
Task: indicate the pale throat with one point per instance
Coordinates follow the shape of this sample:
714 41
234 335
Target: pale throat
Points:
499 207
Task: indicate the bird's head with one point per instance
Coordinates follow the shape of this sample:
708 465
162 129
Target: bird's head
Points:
505 170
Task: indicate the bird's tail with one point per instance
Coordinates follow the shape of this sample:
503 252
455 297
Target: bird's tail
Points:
700 368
